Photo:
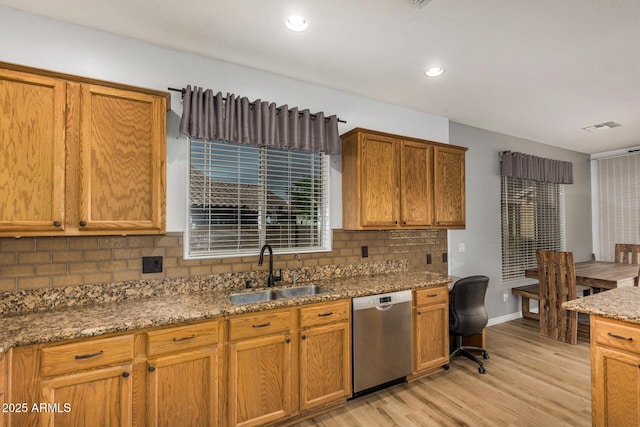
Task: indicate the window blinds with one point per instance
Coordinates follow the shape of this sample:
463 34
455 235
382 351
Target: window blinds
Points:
618 203
241 197
532 219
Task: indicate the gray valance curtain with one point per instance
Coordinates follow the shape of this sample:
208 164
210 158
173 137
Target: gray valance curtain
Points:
526 166
211 117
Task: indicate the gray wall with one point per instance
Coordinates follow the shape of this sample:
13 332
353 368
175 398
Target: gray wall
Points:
481 237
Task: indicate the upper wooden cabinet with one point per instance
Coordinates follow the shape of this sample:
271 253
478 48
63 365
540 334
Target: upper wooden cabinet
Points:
80 156
395 182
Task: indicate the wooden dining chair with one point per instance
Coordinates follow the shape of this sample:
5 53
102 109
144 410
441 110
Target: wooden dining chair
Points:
628 253
557 285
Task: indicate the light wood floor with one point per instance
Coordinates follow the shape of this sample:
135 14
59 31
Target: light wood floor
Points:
531 381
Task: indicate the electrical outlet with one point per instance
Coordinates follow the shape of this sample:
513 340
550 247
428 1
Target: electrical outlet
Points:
365 251
461 247
151 264
505 296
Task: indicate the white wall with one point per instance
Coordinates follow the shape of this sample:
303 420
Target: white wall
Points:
31 40
482 235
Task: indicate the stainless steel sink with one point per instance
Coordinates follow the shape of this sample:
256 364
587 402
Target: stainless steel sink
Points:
252 297
270 295
301 291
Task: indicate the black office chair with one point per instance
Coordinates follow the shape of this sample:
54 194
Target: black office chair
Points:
468 316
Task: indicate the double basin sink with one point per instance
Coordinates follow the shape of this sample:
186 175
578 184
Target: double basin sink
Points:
276 294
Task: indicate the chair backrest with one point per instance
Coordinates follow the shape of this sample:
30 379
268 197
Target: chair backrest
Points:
467 313
627 253
557 277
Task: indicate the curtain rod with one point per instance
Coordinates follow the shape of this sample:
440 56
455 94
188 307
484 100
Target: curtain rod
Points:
182 91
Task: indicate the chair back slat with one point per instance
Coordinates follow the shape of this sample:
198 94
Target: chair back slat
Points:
627 253
557 285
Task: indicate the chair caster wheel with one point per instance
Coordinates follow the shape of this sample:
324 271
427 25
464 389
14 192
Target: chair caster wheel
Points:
485 355
446 367
482 370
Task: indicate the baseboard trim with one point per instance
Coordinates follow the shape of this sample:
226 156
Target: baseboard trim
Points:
505 318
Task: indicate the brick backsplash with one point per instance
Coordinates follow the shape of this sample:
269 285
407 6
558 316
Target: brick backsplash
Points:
41 262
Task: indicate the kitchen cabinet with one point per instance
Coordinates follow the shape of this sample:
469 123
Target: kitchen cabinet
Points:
3 382
449 187
615 372
260 371
80 385
396 182
325 354
431 328
80 156
182 376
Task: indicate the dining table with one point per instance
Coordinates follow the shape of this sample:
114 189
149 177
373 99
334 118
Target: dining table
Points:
602 275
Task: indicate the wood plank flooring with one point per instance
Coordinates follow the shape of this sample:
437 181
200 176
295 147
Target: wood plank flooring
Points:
531 381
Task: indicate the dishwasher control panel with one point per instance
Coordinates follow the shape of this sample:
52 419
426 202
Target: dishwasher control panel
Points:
379 300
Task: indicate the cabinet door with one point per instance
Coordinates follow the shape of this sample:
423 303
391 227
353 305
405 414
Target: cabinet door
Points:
260 380
431 336
449 187
416 184
325 365
32 143
182 389
379 191
122 155
2 390
616 388
95 398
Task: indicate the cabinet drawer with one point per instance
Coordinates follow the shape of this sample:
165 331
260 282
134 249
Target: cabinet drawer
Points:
325 313
77 356
259 324
435 295
181 337
617 335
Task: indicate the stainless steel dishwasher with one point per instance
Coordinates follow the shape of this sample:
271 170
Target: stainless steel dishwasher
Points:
382 340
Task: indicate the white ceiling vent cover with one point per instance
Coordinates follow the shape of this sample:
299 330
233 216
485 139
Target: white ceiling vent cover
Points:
602 126
419 3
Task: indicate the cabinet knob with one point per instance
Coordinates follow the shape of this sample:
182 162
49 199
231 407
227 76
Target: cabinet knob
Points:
419 313
83 223
57 223
151 368
288 340
125 374
304 337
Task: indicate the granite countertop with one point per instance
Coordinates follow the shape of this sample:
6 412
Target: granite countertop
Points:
94 320
620 304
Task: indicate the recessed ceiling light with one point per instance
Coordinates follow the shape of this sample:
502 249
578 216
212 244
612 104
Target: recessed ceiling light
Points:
296 23
434 72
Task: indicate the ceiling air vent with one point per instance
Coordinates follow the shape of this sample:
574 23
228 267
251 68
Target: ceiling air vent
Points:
419 3
602 126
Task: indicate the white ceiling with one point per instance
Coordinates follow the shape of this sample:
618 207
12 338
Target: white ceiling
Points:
540 70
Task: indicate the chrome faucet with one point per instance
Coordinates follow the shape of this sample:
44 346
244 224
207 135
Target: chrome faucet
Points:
271 280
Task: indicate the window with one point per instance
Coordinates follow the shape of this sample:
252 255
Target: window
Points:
618 203
532 219
241 197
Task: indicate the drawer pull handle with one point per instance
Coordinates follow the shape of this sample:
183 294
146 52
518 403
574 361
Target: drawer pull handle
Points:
184 338
619 337
262 325
89 356
325 314
432 295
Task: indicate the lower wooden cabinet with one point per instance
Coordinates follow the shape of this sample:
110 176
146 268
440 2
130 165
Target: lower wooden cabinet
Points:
615 373
325 354
100 397
431 328
182 389
259 382
3 382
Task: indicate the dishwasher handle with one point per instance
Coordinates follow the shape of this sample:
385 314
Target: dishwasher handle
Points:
384 307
